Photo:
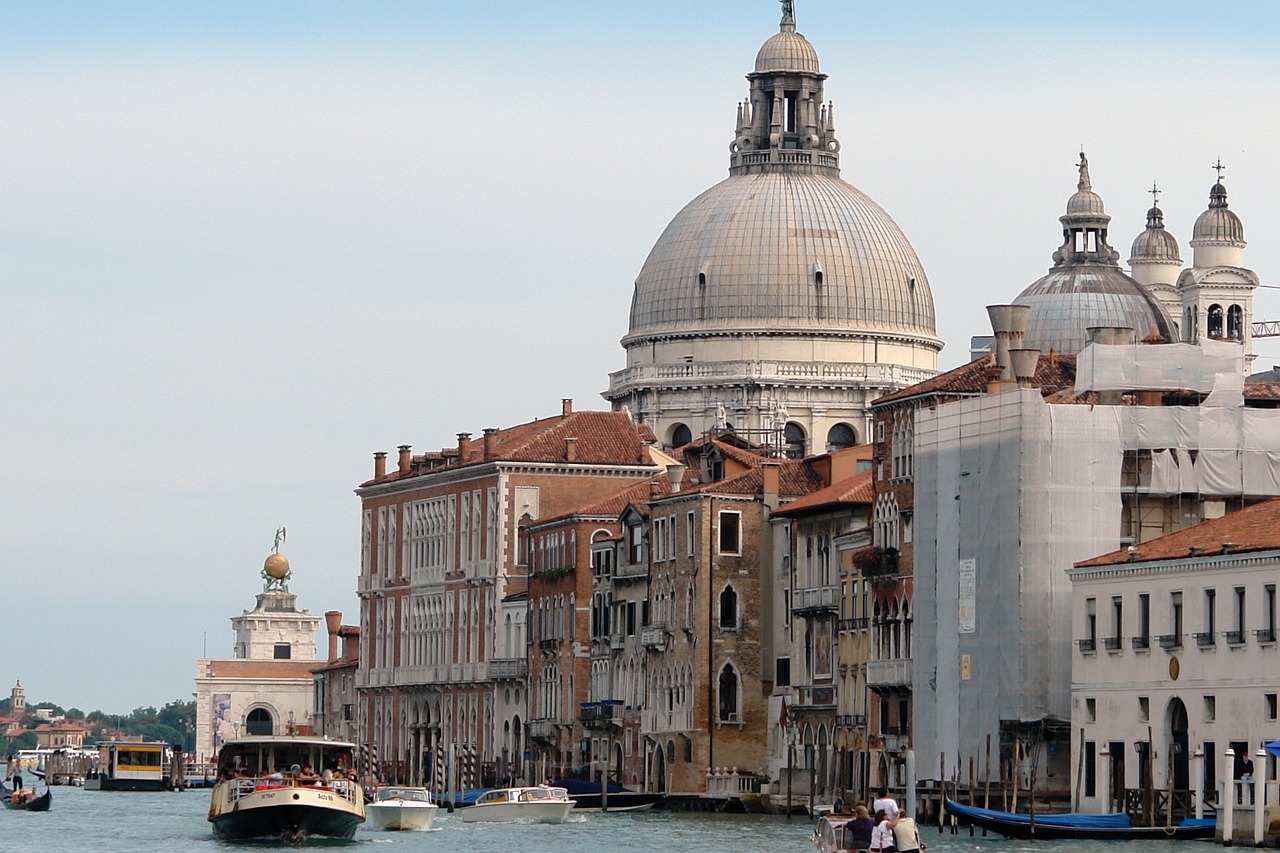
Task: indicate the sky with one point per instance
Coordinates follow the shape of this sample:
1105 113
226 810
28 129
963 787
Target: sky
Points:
245 245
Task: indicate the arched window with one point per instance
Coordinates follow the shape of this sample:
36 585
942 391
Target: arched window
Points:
1235 323
259 722
729 607
1213 325
841 436
680 435
728 694
793 438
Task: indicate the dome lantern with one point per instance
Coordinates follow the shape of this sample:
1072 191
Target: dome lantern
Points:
1218 236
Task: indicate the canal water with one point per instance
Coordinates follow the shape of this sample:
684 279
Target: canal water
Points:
175 822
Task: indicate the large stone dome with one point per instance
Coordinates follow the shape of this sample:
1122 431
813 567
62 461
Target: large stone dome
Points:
787 51
778 251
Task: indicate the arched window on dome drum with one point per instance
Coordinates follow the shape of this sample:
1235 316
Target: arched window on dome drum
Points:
1213 325
793 438
841 436
680 435
1235 323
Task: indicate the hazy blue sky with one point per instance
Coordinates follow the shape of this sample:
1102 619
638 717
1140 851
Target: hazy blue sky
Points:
245 245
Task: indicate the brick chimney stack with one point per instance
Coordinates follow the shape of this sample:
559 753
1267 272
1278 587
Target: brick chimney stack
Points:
333 622
566 407
490 438
570 449
380 465
402 464
464 438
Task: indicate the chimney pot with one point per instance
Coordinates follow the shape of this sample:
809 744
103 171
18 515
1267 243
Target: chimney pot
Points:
570 449
402 465
675 474
332 623
380 465
1024 363
490 439
566 406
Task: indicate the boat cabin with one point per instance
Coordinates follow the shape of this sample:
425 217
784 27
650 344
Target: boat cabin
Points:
263 756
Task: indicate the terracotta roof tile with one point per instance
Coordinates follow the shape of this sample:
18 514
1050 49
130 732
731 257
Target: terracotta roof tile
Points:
1255 528
1053 372
613 505
240 668
858 489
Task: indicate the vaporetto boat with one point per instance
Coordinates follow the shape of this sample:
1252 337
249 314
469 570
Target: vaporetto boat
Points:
535 805
285 787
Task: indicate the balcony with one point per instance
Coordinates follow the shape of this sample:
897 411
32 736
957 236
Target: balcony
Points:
881 563
1088 645
605 714
860 623
1205 639
815 599
812 697
1265 635
508 669
1234 638
1140 644
654 637
1170 641
1111 644
617 642
631 571
549 643
655 721
851 721
894 672
545 731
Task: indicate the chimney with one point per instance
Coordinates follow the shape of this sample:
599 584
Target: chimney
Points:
1024 363
655 489
566 407
571 450
490 437
1009 323
993 372
380 465
772 475
402 465
332 622
675 474
464 438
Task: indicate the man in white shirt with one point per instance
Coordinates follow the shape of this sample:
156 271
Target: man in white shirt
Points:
885 803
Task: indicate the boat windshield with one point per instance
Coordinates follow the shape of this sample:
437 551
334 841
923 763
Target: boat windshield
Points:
416 795
532 794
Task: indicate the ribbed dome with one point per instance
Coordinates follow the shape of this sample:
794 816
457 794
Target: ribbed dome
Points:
1218 223
1069 300
781 251
1085 202
787 51
1155 244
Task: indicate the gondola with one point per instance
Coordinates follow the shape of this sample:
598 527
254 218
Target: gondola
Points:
1102 827
33 804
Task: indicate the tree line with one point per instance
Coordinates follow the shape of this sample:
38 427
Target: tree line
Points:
174 723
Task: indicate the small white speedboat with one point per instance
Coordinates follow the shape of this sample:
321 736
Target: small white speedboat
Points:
535 805
401 808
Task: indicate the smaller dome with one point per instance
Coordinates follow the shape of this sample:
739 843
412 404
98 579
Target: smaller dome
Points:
787 51
1218 223
1085 202
276 566
1155 244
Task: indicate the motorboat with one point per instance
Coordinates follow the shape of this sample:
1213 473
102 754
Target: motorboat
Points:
834 833
1112 827
285 787
398 807
588 797
542 804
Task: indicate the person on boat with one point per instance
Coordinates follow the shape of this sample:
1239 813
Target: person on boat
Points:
308 776
906 836
881 835
885 803
859 830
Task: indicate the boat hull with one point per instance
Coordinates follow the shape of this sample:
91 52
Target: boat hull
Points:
1052 827
287 812
400 816
537 812
622 801
105 783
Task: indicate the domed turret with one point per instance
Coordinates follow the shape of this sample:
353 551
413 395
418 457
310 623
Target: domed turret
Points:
781 261
1085 286
1156 261
1218 238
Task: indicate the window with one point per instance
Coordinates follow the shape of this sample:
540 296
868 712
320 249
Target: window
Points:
1175 604
1143 640
1090 769
729 607
782 672
689 532
1268 634
1237 636
730 532
1210 709
283 651
841 436
1117 623
680 434
1089 643
1235 323
1144 709
1213 326
1090 710
728 694
1270 699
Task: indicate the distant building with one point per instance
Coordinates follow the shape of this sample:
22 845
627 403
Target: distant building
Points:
267 687
334 714
1173 663
18 701
54 735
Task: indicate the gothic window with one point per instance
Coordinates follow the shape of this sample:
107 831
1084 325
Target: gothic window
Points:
1235 323
1213 326
885 532
729 607
728 694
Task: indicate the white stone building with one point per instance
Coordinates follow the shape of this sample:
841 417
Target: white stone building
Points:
1174 662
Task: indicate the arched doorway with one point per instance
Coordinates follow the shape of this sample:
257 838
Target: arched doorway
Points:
617 764
659 770
259 722
1179 757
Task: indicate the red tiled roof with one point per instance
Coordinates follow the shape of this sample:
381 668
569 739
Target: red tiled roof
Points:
613 505
1054 372
858 489
1255 528
795 478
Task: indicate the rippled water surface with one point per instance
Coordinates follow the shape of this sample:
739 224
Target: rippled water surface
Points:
174 822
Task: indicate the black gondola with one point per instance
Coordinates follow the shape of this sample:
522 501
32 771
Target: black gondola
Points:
1103 827
28 804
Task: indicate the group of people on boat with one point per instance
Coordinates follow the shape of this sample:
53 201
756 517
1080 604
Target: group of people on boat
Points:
890 830
293 775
